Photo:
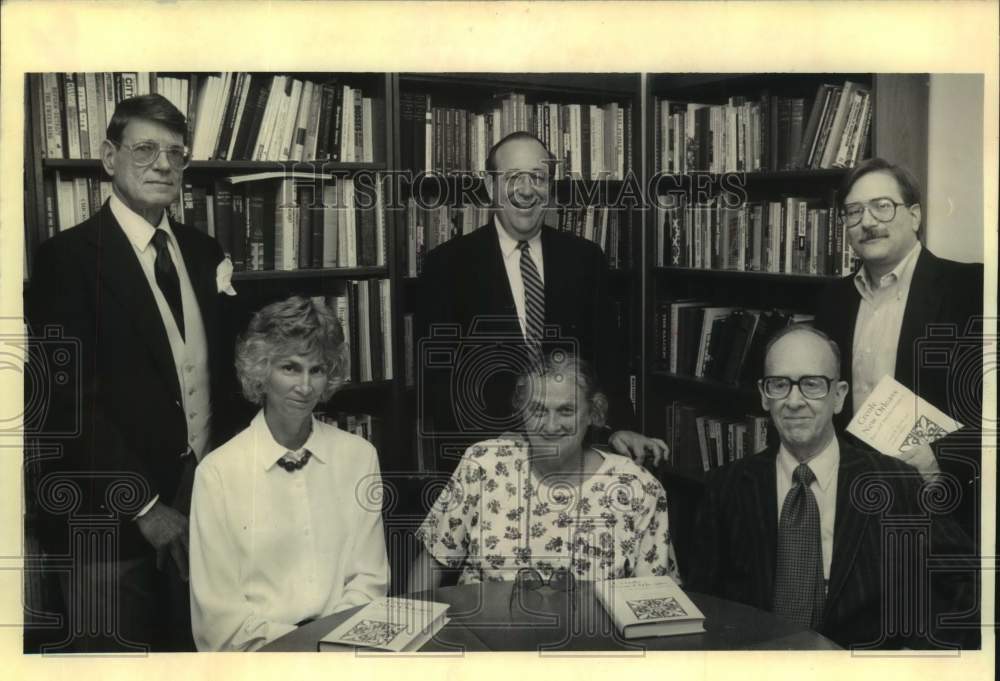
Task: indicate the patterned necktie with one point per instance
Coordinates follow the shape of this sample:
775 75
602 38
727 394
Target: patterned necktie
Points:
799 590
166 278
291 464
534 300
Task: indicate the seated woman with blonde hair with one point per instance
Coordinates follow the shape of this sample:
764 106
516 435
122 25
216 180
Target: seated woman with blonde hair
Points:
547 508
278 535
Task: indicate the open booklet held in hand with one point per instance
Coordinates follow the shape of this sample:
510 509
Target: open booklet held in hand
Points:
893 419
649 606
390 624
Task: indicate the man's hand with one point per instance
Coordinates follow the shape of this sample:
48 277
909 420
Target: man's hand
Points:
638 446
922 458
167 530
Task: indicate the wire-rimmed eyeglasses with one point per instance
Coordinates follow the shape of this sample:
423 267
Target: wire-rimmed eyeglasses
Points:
145 153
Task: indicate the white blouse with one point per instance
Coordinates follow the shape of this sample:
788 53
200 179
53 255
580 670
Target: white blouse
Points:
270 548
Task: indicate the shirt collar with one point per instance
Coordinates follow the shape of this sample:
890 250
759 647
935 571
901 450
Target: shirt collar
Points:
902 274
823 465
508 244
138 231
269 450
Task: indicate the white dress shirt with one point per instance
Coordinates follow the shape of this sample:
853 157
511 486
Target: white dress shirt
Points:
270 548
512 263
824 466
876 331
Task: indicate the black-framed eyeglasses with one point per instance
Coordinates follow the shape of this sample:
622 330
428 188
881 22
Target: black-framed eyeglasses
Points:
530 579
145 153
882 209
780 387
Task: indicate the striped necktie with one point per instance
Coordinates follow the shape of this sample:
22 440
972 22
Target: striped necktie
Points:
799 591
534 299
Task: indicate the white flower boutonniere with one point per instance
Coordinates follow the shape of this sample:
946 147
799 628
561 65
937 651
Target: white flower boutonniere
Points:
224 277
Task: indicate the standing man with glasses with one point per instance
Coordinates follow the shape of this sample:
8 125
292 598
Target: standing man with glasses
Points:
488 299
140 295
827 536
909 314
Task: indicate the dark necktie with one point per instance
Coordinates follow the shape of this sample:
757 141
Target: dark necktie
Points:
166 278
290 464
534 299
799 590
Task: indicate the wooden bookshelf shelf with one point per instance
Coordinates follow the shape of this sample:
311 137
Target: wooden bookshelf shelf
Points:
703 384
776 277
607 85
230 167
822 174
336 273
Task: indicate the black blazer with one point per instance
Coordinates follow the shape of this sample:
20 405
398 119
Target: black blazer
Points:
463 285
879 500
123 402
939 357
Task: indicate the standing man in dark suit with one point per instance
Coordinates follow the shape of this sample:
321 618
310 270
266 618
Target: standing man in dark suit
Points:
833 538
493 299
909 314
140 294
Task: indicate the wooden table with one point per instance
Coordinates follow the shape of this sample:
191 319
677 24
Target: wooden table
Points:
484 617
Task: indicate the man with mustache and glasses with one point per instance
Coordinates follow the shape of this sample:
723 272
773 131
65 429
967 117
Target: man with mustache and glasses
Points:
903 293
491 301
828 536
140 295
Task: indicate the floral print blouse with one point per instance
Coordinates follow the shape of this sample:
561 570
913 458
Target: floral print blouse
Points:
495 517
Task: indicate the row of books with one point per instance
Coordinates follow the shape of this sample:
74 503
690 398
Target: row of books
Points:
287 225
722 343
700 442
368 426
231 115
261 225
769 133
587 140
427 228
793 236
364 308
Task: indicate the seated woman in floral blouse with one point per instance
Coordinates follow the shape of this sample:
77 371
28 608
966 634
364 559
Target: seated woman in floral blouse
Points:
548 502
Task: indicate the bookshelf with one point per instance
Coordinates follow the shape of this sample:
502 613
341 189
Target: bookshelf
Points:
306 105
750 136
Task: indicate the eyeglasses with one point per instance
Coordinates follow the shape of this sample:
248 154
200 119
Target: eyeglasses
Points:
146 152
780 387
533 179
530 579
882 209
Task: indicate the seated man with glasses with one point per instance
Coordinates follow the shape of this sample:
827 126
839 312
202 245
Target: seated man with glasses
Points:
140 295
832 538
909 314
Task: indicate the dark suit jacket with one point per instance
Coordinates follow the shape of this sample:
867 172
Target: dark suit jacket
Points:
125 395
874 569
464 286
939 357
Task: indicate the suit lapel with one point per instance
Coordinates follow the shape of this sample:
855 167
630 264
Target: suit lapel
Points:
202 278
555 273
849 525
122 274
922 305
762 520
491 275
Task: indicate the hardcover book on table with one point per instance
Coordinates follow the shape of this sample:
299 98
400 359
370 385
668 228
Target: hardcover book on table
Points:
649 606
390 624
